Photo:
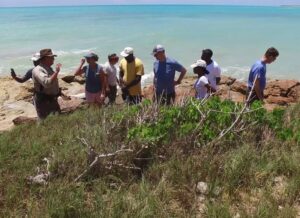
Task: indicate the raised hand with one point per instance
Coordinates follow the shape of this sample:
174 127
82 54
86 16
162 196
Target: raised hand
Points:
58 67
12 73
82 61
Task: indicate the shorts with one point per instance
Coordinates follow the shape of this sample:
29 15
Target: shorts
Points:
93 98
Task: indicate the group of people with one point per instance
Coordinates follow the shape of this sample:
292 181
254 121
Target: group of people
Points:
102 80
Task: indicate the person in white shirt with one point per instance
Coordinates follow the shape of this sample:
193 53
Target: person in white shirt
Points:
110 71
214 71
202 86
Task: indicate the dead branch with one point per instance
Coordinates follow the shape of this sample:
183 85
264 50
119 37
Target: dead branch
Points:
226 131
96 160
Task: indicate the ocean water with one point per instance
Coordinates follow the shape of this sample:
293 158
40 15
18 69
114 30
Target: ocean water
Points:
238 35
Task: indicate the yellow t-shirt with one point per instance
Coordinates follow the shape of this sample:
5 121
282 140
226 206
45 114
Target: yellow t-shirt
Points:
130 71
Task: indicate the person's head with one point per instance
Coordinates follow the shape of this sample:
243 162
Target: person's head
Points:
271 55
127 53
207 55
91 58
159 52
47 57
36 59
113 58
199 67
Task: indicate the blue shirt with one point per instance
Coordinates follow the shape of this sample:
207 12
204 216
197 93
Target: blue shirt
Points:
164 75
92 79
258 69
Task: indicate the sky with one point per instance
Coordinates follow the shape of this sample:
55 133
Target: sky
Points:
24 3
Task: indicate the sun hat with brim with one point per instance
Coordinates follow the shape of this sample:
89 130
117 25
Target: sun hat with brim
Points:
47 52
199 63
157 48
35 57
126 52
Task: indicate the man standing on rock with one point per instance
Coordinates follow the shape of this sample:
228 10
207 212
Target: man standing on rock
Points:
257 75
214 76
164 69
131 72
46 88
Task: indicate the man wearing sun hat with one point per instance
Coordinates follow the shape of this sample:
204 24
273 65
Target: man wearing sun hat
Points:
35 59
46 88
164 69
131 72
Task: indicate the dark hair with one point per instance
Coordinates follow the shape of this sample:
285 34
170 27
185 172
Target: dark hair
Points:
111 56
272 52
96 57
207 52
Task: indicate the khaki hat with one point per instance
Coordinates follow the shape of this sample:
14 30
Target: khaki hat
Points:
47 52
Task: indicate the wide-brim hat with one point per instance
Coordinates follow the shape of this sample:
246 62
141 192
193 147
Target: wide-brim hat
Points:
47 52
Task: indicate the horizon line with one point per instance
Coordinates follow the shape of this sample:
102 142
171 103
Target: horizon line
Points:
149 4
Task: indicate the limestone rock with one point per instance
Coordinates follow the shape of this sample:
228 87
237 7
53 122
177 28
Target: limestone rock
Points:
22 120
202 188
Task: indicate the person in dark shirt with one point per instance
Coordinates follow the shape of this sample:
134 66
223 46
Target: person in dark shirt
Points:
36 61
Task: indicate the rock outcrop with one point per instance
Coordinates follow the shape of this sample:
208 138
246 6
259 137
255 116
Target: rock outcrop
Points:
16 99
16 105
277 93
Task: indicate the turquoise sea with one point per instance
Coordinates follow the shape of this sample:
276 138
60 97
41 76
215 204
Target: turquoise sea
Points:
238 35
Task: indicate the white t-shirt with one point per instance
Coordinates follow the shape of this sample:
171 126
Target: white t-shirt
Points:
111 72
214 72
201 90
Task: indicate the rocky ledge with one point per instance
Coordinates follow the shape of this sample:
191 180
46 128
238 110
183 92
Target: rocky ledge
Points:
16 99
277 93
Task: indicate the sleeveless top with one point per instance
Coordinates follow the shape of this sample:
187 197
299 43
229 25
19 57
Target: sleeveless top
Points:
92 79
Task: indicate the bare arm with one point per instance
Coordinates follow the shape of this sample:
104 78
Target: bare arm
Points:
103 80
258 90
79 70
210 88
182 74
121 81
57 70
134 82
20 79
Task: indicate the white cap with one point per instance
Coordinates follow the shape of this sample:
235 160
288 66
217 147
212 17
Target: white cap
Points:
157 48
35 57
127 51
199 63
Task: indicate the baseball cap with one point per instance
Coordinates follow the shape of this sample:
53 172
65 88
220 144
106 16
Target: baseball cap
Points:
35 57
91 55
126 52
157 48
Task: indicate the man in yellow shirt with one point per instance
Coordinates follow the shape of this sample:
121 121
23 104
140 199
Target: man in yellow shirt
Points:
131 72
